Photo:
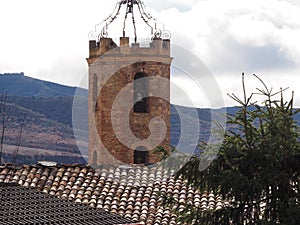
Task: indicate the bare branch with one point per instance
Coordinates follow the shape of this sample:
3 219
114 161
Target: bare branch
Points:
235 98
278 92
3 110
244 88
19 141
262 83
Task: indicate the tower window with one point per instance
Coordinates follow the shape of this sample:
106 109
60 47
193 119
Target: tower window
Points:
140 155
141 93
96 106
95 88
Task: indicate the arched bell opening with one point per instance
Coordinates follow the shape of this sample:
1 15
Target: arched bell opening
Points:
141 155
141 89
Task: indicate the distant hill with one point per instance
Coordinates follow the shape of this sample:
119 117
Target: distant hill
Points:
17 84
39 131
49 112
47 107
56 108
53 100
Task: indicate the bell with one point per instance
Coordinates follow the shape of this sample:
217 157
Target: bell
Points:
130 9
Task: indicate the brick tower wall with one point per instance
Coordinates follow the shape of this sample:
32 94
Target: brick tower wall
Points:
112 70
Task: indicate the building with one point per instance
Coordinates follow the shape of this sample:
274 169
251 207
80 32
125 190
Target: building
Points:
129 95
24 205
125 194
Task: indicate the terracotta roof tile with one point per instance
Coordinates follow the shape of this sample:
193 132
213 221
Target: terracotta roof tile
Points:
131 192
20 205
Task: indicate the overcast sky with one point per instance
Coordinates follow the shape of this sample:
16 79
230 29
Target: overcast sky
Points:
48 39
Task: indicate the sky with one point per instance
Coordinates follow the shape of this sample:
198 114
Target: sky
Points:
48 39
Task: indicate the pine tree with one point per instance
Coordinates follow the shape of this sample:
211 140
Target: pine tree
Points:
257 168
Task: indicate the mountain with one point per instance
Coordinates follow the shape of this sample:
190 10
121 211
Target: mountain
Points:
49 110
53 100
17 84
45 108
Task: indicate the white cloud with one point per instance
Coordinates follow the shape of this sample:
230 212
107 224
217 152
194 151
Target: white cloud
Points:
181 5
232 37
44 37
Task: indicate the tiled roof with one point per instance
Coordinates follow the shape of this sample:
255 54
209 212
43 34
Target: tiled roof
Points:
21 205
130 192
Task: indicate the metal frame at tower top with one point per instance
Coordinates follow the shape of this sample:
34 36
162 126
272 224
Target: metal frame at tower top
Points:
146 17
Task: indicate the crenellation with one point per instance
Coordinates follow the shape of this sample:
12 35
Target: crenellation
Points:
93 48
105 46
124 41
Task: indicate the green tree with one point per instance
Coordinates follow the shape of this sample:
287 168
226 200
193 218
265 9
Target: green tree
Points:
256 171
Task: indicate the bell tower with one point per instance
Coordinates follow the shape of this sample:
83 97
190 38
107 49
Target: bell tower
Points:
129 92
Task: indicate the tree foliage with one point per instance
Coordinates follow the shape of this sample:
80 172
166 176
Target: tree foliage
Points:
256 171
